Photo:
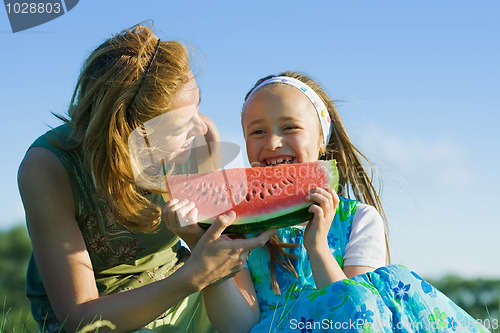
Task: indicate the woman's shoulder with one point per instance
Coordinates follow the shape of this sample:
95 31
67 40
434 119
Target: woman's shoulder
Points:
44 168
44 186
39 166
54 139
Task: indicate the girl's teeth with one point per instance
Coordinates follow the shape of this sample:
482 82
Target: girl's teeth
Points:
279 161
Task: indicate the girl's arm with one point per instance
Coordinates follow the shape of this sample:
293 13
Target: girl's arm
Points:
324 267
66 268
351 271
232 305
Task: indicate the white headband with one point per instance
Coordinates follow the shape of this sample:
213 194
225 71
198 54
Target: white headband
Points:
321 110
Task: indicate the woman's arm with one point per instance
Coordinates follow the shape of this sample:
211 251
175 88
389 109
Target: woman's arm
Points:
63 260
66 268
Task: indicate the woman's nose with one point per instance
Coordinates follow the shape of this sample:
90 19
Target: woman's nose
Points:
199 126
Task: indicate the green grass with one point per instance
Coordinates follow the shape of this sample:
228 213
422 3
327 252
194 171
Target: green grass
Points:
22 321
493 324
16 320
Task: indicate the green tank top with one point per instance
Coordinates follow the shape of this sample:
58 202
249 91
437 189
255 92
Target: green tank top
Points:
121 259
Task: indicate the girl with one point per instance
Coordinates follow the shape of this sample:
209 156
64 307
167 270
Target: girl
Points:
327 274
95 255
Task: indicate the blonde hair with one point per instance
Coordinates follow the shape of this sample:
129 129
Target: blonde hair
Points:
352 174
113 96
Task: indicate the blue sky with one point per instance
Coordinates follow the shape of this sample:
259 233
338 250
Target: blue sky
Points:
417 83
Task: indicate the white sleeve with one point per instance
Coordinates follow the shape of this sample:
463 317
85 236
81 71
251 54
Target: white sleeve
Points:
366 246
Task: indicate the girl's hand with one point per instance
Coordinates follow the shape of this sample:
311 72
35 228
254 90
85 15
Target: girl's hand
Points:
316 233
181 218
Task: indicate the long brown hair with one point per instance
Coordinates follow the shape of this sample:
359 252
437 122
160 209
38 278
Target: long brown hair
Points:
353 175
113 96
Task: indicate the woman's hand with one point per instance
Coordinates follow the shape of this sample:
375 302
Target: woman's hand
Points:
214 256
217 257
316 233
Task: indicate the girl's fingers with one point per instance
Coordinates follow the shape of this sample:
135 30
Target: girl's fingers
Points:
319 190
321 199
335 197
315 209
324 199
327 200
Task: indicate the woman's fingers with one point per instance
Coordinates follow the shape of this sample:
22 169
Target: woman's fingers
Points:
219 256
246 244
219 225
186 211
182 212
244 255
172 202
191 217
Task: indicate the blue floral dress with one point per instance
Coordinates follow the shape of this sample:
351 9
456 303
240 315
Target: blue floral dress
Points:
390 299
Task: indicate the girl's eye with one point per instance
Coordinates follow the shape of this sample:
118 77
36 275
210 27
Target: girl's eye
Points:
290 127
257 132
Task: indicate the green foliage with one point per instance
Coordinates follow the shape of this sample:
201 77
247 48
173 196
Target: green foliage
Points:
15 250
478 297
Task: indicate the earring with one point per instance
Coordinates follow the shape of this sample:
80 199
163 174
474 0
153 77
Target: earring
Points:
322 154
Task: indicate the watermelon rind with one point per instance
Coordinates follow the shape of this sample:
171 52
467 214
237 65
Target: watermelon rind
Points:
333 171
298 216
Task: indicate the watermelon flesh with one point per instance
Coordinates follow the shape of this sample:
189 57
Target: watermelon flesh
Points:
262 197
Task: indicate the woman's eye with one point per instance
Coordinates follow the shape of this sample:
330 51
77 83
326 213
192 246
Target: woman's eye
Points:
179 132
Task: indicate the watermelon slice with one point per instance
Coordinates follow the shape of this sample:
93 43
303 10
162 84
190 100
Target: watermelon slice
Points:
262 197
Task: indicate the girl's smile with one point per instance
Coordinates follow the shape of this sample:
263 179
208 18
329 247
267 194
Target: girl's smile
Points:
275 160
